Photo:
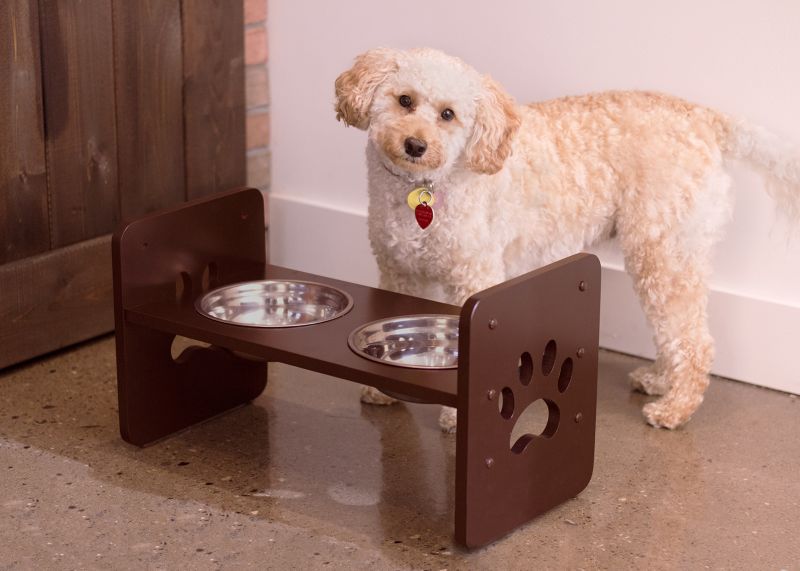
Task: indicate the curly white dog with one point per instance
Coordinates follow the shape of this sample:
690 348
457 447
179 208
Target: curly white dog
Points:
512 188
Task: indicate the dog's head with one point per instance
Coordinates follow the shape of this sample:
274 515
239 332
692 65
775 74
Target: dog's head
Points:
426 112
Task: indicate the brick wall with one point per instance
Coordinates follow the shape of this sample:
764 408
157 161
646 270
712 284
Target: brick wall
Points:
256 58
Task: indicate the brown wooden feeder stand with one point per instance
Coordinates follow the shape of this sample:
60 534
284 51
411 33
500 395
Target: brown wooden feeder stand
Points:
532 337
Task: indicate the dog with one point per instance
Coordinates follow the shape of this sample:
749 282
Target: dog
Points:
512 188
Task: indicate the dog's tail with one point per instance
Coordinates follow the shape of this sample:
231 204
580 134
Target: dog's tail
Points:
777 160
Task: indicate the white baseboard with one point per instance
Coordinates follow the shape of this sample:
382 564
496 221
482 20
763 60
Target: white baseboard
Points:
755 338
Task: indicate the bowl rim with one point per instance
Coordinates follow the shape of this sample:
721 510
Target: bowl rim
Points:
353 347
198 303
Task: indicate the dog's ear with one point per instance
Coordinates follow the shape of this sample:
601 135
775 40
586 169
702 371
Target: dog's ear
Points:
356 87
496 122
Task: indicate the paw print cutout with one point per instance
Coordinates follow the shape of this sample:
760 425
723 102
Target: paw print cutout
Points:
540 419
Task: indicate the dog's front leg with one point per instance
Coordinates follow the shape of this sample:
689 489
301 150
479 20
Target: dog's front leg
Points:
371 395
391 280
468 280
471 280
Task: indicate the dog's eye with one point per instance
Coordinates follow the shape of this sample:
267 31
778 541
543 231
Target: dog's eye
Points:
448 115
405 101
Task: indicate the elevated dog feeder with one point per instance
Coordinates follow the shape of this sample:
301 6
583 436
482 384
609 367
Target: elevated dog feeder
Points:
533 337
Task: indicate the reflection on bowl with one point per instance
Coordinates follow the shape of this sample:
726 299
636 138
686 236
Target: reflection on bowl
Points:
275 303
414 341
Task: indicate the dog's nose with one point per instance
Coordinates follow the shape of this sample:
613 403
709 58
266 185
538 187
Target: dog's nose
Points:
415 147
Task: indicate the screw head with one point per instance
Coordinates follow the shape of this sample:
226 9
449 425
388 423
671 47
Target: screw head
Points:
579 417
491 393
580 352
489 462
582 285
492 324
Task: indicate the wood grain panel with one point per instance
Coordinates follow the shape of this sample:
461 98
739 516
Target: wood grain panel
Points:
149 81
213 39
55 299
78 67
24 226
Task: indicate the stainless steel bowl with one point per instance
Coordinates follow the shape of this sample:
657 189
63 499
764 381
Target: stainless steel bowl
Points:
413 341
275 303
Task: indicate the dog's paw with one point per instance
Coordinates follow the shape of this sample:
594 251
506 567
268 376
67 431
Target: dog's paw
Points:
447 420
371 395
669 412
649 381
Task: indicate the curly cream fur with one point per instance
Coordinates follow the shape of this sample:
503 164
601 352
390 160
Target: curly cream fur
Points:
518 187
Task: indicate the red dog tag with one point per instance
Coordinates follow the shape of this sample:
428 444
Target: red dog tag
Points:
424 215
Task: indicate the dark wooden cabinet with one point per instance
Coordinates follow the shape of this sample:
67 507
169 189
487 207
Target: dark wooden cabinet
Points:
108 109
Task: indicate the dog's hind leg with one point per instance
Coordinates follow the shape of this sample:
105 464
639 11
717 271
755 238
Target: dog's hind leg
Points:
667 238
650 379
673 293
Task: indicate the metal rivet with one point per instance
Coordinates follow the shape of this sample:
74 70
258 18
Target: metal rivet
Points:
582 285
492 323
489 462
581 352
491 394
579 417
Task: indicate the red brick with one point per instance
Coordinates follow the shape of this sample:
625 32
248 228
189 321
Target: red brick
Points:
258 170
257 86
257 131
255 46
255 11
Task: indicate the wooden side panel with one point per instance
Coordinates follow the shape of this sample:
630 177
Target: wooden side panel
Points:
541 346
55 299
149 79
24 227
77 61
213 39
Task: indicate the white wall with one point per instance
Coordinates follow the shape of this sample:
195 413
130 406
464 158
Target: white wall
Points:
741 56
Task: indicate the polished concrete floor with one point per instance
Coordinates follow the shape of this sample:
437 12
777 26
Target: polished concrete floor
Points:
308 478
